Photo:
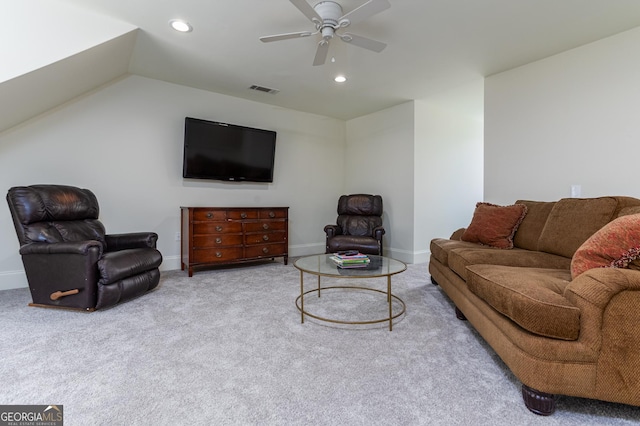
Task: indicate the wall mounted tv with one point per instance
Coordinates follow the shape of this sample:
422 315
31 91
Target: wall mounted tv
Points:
222 151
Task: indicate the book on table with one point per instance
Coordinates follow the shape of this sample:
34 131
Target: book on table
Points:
350 260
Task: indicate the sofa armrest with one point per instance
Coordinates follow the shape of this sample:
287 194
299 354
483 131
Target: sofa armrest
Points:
332 230
457 235
605 296
117 242
596 287
608 299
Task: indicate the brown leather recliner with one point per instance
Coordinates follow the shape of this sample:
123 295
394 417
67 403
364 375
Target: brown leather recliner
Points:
359 225
69 260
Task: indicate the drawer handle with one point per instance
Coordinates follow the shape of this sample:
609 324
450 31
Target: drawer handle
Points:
265 250
265 226
218 254
272 214
218 240
243 215
209 215
219 228
265 237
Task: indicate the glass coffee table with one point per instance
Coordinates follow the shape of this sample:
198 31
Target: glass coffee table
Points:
322 266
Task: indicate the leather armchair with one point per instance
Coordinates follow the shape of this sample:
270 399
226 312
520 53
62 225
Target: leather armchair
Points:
69 260
359 225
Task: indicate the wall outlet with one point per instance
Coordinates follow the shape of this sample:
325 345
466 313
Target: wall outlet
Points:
177 236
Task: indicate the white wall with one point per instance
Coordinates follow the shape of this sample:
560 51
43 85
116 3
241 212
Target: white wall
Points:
379 160
568 119
448 163
124 142
425 158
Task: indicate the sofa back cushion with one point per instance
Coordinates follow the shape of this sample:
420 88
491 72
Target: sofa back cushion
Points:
573 220
529 231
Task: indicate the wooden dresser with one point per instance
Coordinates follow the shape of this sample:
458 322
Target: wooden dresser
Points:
223 235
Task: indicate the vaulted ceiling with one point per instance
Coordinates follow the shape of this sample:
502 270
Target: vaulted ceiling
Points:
432 46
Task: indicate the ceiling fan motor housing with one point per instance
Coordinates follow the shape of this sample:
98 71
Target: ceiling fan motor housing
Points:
330 12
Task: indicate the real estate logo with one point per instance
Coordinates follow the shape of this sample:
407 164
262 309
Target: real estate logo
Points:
31 415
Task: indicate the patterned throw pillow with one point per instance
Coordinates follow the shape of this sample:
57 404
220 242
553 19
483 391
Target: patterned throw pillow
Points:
615 245
494 225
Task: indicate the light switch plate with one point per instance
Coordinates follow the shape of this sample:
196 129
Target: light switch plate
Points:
576 191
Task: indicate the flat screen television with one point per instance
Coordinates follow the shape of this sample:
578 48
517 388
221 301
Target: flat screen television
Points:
222 151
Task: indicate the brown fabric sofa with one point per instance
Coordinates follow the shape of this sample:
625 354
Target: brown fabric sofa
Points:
559 335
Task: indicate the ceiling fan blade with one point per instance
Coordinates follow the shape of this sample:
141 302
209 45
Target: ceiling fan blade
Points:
307 10
364 42
368 9
286 36
321 53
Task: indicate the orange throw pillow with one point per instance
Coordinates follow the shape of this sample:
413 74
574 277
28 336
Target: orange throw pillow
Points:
495 225
615 245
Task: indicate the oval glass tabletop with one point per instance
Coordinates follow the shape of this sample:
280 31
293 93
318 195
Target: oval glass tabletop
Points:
379 266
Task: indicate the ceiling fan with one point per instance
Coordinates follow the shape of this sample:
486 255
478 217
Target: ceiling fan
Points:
328 19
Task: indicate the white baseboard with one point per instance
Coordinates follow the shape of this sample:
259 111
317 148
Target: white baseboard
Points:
13 279
18 279
171 263
306 249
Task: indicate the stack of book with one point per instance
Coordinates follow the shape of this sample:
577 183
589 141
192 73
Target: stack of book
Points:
358 260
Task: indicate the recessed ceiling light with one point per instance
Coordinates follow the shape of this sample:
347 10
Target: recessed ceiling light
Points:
340 79
180 25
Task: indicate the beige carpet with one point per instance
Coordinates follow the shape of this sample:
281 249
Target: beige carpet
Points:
226 347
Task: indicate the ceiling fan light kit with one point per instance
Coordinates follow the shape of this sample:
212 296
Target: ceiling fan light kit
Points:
328 18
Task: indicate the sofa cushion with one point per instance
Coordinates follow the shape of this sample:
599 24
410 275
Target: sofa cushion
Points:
529 231
572 221
494 225
441 247
616 245
531 297
460 258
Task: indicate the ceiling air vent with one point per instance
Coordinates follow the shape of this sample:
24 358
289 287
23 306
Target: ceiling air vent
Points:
264 89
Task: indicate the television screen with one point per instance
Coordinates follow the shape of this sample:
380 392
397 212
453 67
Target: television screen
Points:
227 152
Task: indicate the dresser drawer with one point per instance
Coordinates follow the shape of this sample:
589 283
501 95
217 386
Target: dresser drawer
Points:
216 240
273 213
217 228
214 255
207 214
265 225
242 214
265 237
266 250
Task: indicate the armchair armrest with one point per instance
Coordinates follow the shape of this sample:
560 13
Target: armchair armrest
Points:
73 247
332 230
117 242
378 232
66 269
